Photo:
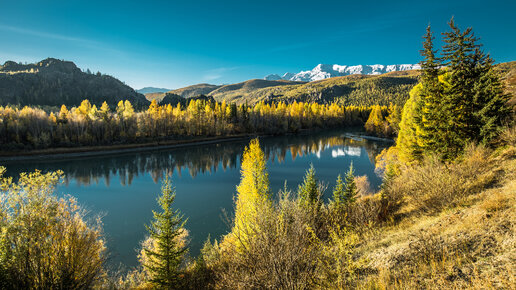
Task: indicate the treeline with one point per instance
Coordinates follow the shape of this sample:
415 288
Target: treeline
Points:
31 128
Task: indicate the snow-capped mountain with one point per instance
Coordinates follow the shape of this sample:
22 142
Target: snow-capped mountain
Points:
324 71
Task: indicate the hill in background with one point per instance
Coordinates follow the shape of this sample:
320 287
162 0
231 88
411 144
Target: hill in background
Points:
236 92
53 82
151 90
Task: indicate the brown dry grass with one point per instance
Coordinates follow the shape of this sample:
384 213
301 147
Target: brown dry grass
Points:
458 229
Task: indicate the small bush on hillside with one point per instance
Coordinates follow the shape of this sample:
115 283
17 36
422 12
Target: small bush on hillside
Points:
280 255
433 185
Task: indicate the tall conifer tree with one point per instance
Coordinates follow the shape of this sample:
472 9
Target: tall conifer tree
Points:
166 257
338 192
475 96
429 113
351 190
308 191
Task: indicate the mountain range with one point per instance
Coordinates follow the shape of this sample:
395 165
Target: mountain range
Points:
325 71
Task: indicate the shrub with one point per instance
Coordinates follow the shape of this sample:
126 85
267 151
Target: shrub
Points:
45 241
281 254
433 185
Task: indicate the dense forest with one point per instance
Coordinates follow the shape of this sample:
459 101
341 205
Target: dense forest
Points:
33 128
444 216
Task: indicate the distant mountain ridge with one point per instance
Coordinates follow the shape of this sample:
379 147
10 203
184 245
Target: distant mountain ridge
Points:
325 71
152 90
54 82
186 92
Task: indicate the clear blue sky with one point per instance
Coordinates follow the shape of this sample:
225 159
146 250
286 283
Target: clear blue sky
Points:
177 43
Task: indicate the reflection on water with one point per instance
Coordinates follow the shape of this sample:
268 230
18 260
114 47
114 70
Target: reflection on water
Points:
194 159
346 151
124 187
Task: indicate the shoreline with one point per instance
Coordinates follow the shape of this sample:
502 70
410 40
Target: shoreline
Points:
92 151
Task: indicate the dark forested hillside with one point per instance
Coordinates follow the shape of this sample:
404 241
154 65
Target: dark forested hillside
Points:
53 82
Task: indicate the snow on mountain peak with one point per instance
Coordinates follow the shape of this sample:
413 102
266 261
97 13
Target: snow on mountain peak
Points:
324 71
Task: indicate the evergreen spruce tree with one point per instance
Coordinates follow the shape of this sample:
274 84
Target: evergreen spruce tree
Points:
475 98
338 192
490 101
351 190
308 191
430 115
458 101
166 257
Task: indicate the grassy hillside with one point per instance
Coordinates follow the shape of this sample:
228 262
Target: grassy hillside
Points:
186 92
54 82
239 92
456 228
348 90
195 90
155 96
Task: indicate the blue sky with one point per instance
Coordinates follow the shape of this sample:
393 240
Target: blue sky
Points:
177 43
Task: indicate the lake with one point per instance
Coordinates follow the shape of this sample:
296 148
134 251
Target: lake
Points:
123 187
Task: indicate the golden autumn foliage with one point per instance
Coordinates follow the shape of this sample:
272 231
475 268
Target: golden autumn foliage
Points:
45 241
33 128
253 194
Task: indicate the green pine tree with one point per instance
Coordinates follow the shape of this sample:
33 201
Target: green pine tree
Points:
430 116
351 190
458 101
490 101
475 102
166 256
338 192
308 191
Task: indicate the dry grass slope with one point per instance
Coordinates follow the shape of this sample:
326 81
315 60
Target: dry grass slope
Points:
456 230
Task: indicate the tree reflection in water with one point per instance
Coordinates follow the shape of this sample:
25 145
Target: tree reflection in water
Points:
194 159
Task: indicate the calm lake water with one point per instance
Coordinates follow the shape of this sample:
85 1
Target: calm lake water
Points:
124 187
